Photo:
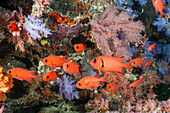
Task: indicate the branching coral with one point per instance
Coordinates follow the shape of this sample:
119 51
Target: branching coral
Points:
5 84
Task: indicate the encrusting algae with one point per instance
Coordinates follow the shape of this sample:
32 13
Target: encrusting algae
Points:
5 84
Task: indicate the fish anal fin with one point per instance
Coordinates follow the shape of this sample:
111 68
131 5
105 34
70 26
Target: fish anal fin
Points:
103 78
29 80
90 88
37 80
96 75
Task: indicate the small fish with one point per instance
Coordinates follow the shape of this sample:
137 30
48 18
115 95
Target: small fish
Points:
23 74
151 47
112 87
90 81
148 63
138 62
79 48
108 63
2 109
134 84
52 76
54 61
72 68
159 6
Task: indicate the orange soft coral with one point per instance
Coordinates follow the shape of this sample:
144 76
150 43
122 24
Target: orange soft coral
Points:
5 84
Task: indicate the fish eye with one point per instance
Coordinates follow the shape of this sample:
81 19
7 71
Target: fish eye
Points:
10 72
109 86
77 47
94 61
46 60
67 65
131 86
47 76
79 84
133 62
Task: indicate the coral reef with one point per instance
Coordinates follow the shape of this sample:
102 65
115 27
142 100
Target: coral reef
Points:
129 30
6 83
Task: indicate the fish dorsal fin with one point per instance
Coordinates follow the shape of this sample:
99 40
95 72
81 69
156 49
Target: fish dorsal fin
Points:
64 57
120 59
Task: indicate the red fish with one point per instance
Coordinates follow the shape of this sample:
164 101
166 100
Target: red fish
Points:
90 81
72 68
54 61
151 47
2 109
148 63
108 63
134 84
159 6
111 87
52 76
79 48
22 74
138 62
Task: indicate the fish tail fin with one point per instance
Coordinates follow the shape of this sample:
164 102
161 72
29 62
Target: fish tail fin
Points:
164 14
35 77
103 78
127 65
164 8
81 71
60 76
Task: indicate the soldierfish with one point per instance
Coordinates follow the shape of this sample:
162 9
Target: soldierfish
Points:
138 62
90 81
159 6
54 61
22 74
108 63
52 76
148 63
2 109
112 87
134 84
72 68
151 47
79 48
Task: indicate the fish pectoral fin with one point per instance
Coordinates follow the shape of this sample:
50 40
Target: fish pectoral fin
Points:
87 83
104 70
